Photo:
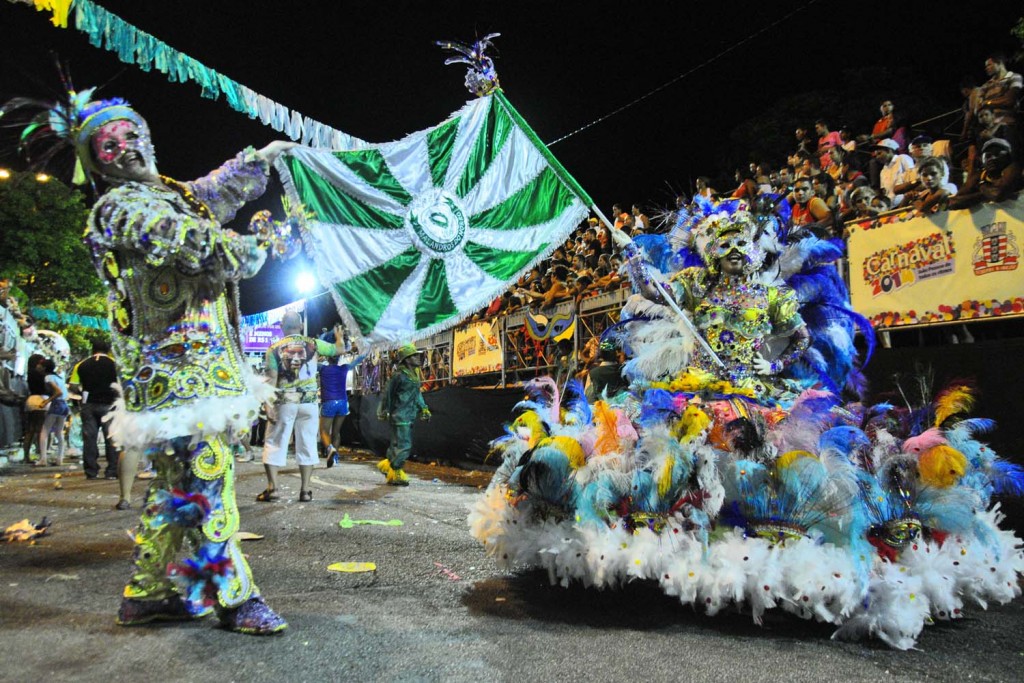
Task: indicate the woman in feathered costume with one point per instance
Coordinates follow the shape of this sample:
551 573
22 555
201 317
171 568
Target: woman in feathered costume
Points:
734 310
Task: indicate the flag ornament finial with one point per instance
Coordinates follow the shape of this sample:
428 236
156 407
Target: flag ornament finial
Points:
481 77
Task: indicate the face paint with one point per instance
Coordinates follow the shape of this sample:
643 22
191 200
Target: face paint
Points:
124 149
111 140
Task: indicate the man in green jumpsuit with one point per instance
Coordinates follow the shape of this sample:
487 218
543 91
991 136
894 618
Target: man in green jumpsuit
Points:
400 404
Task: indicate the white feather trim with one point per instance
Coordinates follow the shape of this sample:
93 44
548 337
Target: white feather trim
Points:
198 419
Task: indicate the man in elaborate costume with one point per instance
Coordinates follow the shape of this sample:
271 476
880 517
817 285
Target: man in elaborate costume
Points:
172 272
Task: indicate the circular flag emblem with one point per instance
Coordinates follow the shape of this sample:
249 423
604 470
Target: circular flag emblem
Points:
436 221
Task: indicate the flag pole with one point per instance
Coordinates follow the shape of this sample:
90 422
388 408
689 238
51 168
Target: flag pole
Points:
578 190
687 323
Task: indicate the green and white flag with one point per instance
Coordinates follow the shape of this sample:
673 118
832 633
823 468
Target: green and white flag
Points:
412 236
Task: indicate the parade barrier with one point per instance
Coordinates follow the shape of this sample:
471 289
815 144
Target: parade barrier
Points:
950 267
516 346
463 422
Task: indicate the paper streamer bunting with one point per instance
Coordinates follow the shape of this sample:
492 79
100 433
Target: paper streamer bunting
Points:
133 46
50 315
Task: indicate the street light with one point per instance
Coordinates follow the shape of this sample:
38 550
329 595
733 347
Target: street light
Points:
5 174
305 282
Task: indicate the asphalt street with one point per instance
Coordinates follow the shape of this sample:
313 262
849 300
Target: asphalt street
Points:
435 608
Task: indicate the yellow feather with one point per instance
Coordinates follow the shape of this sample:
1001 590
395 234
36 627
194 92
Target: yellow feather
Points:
665 477
693 423
530 421
953 401
568 445
941 466
787 459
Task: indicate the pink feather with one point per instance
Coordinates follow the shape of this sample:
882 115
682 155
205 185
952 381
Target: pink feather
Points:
923 441
624 428
547 388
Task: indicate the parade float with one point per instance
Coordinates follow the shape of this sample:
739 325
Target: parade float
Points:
741 469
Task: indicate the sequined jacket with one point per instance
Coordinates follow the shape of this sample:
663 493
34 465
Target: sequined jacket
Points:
171 269
736 316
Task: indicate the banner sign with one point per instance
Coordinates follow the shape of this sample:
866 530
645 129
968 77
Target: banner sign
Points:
260 330
259 339
476 350
952 266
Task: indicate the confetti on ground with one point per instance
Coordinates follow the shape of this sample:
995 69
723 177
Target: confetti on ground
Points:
25 530
352 567
248 536
347 522
441 569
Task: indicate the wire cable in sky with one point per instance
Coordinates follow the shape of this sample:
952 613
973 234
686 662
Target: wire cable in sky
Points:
684 74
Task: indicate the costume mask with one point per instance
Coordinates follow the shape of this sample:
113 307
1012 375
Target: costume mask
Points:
732 241
123 149
722 234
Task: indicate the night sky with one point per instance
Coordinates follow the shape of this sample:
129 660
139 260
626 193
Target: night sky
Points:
370 68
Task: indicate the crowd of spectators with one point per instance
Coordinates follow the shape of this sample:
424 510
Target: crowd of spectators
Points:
836 177
586 265
833 178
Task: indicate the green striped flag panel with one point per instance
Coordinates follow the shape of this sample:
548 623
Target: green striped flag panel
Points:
412 236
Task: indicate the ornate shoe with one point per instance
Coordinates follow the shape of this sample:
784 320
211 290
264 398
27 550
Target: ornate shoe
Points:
253 617
134 612
401 478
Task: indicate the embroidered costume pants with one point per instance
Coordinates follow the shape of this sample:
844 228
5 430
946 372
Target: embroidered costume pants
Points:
207 469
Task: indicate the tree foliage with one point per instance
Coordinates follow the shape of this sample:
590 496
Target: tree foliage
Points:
79 338
41 247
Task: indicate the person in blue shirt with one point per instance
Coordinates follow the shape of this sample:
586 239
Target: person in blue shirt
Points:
334 406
